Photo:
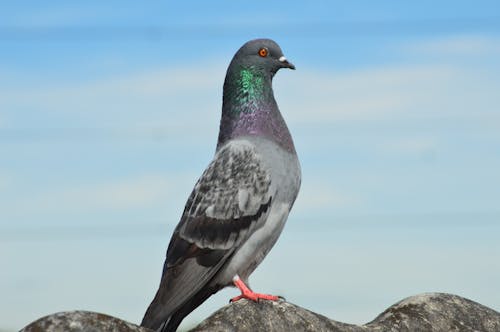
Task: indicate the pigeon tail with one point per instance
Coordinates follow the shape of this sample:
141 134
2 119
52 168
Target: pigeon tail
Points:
172 322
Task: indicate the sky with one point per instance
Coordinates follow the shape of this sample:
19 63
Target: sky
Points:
109 113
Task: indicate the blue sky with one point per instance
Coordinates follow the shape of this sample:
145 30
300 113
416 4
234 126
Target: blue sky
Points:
109 113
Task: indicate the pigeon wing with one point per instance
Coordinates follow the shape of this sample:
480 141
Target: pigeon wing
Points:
230 200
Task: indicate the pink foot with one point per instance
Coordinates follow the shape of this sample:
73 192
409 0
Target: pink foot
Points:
246 293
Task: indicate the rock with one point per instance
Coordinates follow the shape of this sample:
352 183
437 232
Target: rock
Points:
82 321
431 312
427 312
436 312
248 316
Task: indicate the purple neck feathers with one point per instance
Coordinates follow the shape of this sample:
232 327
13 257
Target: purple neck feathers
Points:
249 109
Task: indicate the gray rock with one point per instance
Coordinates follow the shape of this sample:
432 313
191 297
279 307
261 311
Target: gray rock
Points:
82 321
436 312
269 316
427 312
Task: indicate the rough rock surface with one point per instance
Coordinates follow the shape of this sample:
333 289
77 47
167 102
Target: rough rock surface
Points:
81 321
427 312
269 316
431 312
436 312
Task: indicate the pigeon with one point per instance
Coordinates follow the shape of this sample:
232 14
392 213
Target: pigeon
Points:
240 204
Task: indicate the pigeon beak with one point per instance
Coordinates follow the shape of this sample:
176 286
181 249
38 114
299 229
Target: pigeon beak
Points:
285 63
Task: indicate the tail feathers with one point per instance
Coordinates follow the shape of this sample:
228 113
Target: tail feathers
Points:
155 318
170 323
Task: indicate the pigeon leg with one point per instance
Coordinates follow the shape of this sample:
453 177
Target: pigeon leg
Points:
246 293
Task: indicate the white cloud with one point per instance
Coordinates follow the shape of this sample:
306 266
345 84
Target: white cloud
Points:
389 93
165 97
126 194
463 45
161 97
423 145
170 97
437 87
319 196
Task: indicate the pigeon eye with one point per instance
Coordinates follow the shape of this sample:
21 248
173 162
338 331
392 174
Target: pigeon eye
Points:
263 52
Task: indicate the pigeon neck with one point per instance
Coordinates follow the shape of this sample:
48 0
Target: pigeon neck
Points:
249 108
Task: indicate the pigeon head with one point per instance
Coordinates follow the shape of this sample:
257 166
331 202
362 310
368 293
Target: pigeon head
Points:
262 54
249 107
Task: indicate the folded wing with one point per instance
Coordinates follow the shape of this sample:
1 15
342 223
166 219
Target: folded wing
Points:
230 200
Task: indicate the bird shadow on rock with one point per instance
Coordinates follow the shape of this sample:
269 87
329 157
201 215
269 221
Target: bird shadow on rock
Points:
430 312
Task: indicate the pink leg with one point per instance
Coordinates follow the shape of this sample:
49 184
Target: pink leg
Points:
246 293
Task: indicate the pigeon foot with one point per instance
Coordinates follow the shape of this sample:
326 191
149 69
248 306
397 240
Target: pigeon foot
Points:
246 293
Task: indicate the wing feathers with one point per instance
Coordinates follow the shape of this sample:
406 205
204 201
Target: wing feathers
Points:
230 200
214 233
231 195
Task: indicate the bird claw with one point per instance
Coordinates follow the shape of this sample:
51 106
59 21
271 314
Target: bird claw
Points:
256 297
236 298
246 293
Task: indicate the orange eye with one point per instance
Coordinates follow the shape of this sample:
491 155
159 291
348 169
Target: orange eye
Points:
263 52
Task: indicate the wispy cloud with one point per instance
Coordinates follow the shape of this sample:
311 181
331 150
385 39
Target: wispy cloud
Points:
320 196
462 45
395 95
413 145
390 93
374 93
123 195
165 95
